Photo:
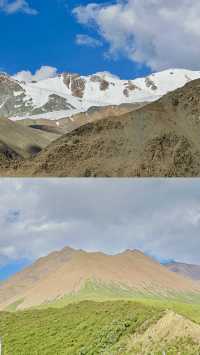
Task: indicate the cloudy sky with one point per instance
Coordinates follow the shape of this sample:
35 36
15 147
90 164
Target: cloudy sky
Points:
126 37
159 217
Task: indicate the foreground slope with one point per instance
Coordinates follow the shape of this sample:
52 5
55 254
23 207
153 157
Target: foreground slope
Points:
85 328
159 139
126 328
68 272
170 334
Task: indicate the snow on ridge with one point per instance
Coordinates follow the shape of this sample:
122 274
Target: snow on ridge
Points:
52 116
106 75
116 91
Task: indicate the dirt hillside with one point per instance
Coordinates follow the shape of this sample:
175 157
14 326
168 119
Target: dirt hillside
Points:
172 327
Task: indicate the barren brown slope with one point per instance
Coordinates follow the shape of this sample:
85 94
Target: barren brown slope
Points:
68 124
187 270
48 129
131 269
160 139
27 278
24 141
95 114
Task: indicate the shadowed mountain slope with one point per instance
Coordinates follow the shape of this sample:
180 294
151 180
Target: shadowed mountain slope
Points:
188 270
17 141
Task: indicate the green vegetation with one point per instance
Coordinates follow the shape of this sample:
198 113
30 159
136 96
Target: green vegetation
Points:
104 324
183 346
90 328
179 346
85 328
191 311
13 306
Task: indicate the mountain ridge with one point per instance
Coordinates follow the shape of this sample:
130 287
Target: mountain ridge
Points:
66 272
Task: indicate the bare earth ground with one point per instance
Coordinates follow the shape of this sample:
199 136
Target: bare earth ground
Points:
170 328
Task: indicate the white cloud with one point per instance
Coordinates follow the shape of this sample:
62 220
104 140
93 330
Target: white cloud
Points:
160 217
157 33
11 7
85 40
44 72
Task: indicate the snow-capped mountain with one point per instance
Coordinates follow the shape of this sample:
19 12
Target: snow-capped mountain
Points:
68 94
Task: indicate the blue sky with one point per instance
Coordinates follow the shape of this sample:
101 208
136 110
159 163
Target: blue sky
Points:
13 267
48 38
129 38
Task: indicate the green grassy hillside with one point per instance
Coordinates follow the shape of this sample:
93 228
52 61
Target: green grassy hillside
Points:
84 328
92 328
99 291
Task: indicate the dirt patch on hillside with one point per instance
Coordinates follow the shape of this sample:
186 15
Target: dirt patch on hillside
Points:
171 328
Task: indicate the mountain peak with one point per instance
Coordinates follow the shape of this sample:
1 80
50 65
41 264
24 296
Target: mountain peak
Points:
107 74
68 271
132 252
